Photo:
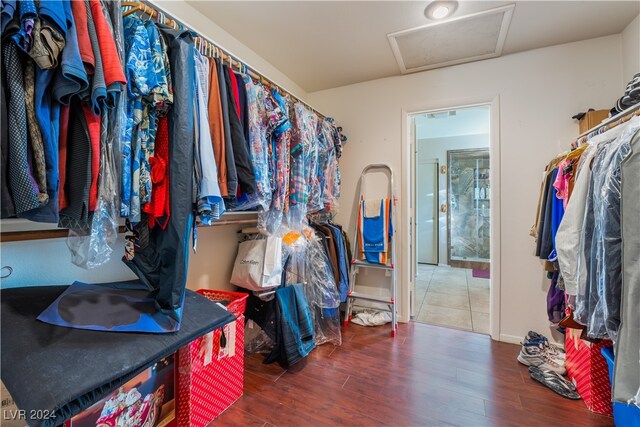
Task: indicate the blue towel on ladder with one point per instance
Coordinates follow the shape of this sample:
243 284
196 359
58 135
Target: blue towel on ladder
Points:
375 233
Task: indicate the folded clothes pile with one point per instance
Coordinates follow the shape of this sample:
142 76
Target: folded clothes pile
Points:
631 96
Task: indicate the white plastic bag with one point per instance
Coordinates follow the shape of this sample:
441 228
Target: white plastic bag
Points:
258 265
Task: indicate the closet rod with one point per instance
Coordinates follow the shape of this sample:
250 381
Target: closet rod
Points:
60 233
611 122
155 11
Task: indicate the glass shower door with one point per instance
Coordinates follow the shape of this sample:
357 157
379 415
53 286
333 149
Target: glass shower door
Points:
468 207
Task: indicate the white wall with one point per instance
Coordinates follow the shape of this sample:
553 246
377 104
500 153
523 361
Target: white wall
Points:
630 50
48 262
539 91
436 148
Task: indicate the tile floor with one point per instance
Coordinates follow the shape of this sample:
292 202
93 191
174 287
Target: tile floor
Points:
452 297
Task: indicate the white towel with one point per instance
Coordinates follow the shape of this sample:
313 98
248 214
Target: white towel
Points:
372 318
372 208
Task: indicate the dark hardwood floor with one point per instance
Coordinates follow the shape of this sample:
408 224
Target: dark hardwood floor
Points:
426 376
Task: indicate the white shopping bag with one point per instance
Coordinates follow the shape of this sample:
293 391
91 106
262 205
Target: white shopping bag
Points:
258 265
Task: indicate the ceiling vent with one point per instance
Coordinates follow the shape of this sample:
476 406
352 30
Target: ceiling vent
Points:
456 41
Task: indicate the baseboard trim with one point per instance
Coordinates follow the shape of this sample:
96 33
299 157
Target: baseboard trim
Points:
511 339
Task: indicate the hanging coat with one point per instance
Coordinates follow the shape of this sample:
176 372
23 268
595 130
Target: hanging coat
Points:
162 264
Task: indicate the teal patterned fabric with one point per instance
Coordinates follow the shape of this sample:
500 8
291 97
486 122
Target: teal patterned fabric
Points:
142 79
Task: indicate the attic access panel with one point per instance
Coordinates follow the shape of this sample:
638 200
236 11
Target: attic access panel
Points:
456 41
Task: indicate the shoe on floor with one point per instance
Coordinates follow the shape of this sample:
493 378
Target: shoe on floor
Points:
533 338
555 382
532 355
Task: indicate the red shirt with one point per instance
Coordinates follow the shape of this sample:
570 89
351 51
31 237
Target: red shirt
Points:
62 156
236 94
158 208
93 123
110 60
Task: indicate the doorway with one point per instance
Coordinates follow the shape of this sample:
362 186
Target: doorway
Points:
452 199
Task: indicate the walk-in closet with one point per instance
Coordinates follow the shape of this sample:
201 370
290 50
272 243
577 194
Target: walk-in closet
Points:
319 213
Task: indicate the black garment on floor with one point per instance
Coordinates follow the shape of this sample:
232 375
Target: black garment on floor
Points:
294 326
244 167
162 265
60 372
232 174
263 313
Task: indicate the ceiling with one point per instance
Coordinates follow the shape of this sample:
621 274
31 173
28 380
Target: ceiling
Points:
326 44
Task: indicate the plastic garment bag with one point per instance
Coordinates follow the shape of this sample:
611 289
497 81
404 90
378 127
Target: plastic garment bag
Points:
258 144
305 123
328 172
93 247
598 304
322 294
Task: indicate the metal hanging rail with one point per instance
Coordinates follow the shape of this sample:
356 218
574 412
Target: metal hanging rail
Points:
209 47
610 123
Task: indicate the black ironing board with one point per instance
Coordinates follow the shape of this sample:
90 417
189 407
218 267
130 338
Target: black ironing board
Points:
62 371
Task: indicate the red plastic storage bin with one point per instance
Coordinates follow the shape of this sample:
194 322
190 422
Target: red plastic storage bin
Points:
237 300
211 377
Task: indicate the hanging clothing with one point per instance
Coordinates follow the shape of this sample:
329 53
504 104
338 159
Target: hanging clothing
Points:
35 136
162 264
604 272
78 170
98 90
48 118
62 156
626 376
243 105
571 227
6 200
46 43
27 14
71 77
258 145
232 174
210 203
159 209
281 125
244 169
8 11
85 48
114 77
216 126
23 186
141 80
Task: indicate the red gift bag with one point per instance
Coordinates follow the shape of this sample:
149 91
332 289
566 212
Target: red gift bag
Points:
587 369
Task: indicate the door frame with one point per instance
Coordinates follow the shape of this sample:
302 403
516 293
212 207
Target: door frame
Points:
408 248
436 162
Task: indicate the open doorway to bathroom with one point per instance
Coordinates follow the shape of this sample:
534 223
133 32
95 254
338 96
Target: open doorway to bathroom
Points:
452 199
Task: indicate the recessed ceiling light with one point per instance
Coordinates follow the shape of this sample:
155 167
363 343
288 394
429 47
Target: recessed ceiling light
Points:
440 9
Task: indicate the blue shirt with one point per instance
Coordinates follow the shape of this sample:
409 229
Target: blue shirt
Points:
71 77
